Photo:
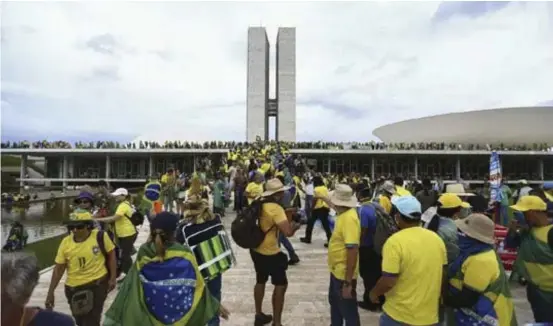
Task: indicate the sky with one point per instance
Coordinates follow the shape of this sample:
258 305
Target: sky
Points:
177 70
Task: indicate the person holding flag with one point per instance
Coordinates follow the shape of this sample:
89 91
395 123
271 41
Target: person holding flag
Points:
164 286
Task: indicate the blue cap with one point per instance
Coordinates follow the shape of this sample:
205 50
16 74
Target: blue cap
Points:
548 185
407 205
165 221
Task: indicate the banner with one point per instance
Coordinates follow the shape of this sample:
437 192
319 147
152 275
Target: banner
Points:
495 177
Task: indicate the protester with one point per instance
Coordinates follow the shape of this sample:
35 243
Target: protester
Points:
320 211
165 284
20 276
268 260
286 203
413 260
168 190
384 197
479 290
343 257
255 187
202 231
125 231
370 262
89 258
448 207
535 255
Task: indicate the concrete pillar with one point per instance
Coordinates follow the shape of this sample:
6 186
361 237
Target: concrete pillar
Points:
194 160
60 169
150 166
328 165
108 167
46 175
416 168
65 171
23 170
540 169
373 170
71 167
142 168
458 169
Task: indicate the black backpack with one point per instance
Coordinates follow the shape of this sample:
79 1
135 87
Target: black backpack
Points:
100 239
137 218
245 229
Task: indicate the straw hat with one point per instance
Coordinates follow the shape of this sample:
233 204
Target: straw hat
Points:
389 187
458 189
273 186
343 196
477 226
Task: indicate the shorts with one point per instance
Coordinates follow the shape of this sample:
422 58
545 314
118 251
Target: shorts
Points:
274 266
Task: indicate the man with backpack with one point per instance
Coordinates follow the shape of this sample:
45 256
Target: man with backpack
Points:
257 228
370 262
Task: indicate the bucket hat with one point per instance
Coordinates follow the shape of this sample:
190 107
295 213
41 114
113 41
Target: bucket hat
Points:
458 189
273 186
84 195
343 196
477 226
389 187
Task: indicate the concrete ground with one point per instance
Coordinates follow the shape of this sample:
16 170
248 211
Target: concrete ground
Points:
306 299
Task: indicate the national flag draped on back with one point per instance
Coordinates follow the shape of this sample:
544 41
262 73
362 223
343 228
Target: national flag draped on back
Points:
495 177
168 292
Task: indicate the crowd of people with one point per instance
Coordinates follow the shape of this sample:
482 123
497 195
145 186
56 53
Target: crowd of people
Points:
425 253
544 147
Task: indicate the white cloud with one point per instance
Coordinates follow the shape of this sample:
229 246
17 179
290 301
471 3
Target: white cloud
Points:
178 70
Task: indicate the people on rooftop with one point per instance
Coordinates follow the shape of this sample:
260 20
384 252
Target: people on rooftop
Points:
232 145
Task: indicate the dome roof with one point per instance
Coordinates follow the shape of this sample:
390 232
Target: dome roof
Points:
519 125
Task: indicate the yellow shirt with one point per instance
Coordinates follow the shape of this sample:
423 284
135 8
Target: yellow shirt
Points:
479 272
347 232
254 190
271 215
401 191
386 203
123 225
85 261
320 191
265 167
417 257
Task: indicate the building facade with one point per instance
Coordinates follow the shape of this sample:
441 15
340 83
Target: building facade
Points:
82 166
259 106
257 101
286 84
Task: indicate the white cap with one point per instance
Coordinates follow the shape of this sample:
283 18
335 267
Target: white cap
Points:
120 192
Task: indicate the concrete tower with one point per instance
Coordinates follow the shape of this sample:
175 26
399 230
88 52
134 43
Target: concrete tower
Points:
259 106
257 101
286 84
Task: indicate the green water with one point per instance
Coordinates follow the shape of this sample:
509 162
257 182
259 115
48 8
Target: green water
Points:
41 220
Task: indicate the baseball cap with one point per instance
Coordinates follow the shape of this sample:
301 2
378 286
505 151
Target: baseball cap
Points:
120 192
407 206
530 203
450 200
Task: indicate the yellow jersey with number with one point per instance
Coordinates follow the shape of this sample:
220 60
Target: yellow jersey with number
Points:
84 260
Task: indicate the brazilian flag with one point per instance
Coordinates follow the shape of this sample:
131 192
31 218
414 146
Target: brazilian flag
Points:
168 292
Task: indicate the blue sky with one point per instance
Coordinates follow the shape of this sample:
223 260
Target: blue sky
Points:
169 70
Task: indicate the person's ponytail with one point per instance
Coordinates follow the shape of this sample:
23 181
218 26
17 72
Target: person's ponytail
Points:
159 243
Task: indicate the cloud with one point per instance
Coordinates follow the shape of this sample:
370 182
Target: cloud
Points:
178 70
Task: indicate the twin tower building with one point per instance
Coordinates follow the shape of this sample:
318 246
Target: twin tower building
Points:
260 106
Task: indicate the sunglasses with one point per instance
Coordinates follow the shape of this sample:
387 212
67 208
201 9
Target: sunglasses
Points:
83 201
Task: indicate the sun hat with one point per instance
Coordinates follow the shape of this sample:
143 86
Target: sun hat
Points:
389 187
477 226
79 216
120 192
450 200
343 196
273 186
458 189
530 203
84 195
407 206
165 221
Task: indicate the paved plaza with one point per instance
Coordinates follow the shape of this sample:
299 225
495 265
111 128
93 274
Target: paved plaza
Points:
306 299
